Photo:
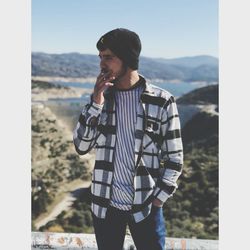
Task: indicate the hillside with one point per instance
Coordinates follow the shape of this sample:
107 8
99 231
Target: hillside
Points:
43 91
56 168
76 65
201 99
204 96
193 211
190 61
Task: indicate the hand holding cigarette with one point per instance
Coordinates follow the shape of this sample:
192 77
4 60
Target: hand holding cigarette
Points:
103 81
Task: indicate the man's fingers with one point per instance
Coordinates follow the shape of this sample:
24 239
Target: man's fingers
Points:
102 86
104 76
104 79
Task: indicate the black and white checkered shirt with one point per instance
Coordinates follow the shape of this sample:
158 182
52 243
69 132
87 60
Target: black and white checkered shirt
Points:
158 149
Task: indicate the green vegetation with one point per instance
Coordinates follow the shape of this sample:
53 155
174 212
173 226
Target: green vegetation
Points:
77 220
54 161
193 210
40 199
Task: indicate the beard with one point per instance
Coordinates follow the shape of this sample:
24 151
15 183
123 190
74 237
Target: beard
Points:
120 74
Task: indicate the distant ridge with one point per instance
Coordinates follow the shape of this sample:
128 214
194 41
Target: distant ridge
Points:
197 68
190 61
205 95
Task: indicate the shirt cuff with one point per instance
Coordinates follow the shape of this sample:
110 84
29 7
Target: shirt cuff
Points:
161 195
95 109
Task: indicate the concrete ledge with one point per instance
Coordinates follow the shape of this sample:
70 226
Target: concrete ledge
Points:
63 241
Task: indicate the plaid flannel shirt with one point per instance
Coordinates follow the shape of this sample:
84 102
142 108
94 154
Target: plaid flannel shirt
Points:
158 149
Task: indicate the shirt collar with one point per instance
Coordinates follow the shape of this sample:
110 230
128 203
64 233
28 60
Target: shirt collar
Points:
147 89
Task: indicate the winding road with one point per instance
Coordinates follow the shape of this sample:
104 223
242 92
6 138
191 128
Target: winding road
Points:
63 205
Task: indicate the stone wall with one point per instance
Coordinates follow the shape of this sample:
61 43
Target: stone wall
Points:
60 241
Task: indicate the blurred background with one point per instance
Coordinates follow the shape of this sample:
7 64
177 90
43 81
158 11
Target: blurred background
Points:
179 53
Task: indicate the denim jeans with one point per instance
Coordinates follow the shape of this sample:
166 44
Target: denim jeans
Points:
148 234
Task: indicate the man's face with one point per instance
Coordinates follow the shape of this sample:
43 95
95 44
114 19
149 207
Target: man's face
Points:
109 62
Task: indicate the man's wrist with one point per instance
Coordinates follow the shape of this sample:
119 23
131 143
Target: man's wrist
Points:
97 105
99 100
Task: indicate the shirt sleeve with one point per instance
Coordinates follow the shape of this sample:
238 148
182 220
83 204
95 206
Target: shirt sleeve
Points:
85 133
171 157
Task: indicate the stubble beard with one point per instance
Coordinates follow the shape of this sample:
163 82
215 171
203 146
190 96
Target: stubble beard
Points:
121 74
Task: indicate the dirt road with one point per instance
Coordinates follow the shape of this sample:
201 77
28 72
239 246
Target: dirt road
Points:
62 205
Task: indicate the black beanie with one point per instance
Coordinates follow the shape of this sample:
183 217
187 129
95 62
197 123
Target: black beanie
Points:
124 43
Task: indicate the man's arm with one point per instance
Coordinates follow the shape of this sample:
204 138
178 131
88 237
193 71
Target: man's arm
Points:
85 133
171 153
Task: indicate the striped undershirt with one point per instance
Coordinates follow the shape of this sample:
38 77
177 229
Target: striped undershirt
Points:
127 102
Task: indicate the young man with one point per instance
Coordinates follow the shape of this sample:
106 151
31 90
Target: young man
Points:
135 129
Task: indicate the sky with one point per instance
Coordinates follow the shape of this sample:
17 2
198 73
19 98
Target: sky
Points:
167 28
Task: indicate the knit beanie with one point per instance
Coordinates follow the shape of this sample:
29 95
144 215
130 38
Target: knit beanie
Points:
124 43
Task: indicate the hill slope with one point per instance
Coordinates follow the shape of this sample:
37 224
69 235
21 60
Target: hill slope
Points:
193 212
56 168
201 99
205 95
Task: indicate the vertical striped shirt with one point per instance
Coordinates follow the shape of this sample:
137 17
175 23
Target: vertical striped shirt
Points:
127 102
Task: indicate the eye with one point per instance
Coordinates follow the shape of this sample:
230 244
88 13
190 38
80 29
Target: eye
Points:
109 57
106 57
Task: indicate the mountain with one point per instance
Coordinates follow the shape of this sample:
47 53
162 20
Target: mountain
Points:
192 103
198 68
64 65
205 95
192 62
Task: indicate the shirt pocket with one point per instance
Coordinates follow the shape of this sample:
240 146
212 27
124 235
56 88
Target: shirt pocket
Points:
101 139
150 155
152 137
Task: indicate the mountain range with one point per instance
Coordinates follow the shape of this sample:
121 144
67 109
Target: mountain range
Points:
76 65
